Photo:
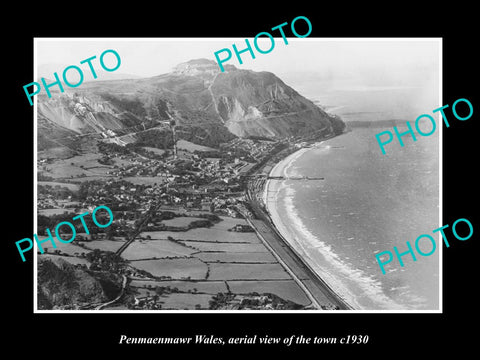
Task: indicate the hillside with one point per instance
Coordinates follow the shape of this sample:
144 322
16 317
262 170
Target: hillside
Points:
206 107
61 284
260 104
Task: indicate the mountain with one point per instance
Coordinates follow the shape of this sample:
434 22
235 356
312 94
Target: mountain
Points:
206 106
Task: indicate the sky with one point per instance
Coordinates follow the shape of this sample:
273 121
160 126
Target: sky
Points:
380 58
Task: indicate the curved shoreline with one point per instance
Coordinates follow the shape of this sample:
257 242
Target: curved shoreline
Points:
311 279
278 224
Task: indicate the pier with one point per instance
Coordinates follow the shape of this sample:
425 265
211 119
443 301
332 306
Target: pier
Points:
294 178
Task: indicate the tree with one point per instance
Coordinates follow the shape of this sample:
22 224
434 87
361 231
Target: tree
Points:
160 290
110 233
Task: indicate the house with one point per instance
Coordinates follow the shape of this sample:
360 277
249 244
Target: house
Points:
232 213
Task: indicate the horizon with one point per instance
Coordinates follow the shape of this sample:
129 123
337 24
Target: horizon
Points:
387 61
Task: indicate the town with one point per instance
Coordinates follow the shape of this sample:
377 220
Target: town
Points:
209 180
180 238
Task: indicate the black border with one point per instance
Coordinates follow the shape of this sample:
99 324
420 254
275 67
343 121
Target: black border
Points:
87 333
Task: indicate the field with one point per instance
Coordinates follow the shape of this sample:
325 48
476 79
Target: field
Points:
175 301
228 223
226 247
69 259
212 234
221 271
175 268
115 307
234 261
217 233
72 187
198 264
91 178
154 150
71 168
182 221
105 245
237 257
191 147
54 211
286 289
65 248
147 249
185 301
206 287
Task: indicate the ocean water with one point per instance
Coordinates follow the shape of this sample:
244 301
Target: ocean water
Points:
367 203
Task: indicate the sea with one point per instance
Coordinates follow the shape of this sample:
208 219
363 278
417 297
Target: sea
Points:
367 202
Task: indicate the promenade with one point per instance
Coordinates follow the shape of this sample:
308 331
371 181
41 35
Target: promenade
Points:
317 290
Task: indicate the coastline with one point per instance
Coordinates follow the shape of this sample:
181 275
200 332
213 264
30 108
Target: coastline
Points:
315 285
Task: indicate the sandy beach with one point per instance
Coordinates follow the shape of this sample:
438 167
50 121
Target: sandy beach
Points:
281 228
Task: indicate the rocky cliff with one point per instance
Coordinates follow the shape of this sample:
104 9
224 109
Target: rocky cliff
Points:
62 285
206 106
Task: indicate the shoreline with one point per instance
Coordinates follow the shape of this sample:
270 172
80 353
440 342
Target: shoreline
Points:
316 286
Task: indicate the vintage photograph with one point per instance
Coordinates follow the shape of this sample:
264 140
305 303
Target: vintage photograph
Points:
166 184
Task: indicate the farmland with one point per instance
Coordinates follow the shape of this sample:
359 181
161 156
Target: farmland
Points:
174 268
182 216
194 265
156 249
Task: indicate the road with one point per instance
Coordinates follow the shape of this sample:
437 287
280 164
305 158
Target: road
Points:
145 220
315 288
124 284
260 233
